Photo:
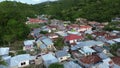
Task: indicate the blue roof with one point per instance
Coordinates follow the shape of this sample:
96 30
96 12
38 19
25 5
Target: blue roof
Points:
110 42
87 50
47 41
90 43
49 59
42 46
28 42
71 64
61 53
4 51
17 59
103 55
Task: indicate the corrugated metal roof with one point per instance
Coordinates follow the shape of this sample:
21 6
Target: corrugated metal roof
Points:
4 51
17 59
49 59
47 41
61 53
71 64
43 46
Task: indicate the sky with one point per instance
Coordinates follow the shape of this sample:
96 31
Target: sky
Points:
29 1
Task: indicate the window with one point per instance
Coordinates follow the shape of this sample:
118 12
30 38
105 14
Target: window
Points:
23 63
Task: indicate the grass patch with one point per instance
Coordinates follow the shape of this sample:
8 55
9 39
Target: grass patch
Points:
33 25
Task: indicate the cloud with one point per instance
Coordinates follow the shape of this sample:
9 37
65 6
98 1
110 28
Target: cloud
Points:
36 0
29 1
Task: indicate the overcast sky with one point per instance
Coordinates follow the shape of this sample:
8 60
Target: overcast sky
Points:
30 1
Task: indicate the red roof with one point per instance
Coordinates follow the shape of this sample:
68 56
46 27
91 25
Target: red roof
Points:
72 37
85 27
36 20
91 59
100 33
116 60
108 37
73 26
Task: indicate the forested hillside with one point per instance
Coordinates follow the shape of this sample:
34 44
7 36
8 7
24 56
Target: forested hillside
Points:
13 14
98 10
12 18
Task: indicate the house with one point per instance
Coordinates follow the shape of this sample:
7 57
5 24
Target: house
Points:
4 51
81 20
98 49
102 55
36 32
58 23
84 28
90 43
117 40
88 32
73 32
72 26
62 33
71 64
116 60
117 19
106 63
28 44
46 28
90 60
86 51
62 55
20 60
49 59
43 48
52 36
53 27
38 42
35 21
110 42
49 44
65 48
72 38
100 26
92 23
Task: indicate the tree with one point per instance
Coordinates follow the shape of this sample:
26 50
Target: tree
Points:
43 32
114 48
89 36
14 31
59 42
56 65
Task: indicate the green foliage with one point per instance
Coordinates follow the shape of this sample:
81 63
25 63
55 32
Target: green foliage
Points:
56 65
114 48
21 52
12 27
43 32
89 36
112 26
59 42
97 10
2 62
33 25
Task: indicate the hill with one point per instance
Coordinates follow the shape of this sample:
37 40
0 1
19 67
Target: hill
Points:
98 10
12 18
